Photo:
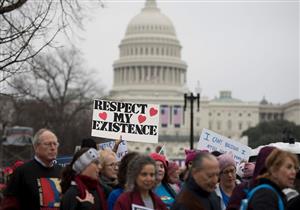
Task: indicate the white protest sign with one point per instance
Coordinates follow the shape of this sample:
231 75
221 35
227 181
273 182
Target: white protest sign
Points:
138 207
212 141
122 149
135 122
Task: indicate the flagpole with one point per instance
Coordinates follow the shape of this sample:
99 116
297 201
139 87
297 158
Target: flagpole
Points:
161 149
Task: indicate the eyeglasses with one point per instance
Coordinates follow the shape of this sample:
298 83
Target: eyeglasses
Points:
49 144
113 165
230 171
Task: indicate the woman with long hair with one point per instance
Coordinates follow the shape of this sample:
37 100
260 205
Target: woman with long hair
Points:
141 178
80 182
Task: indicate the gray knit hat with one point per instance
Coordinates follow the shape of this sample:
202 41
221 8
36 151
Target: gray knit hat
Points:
84 160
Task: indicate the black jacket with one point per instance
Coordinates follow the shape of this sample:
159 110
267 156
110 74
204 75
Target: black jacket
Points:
266 198
70 202
193 197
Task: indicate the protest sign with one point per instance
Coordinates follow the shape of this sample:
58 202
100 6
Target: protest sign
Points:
135 122
122 149
212 141
138 207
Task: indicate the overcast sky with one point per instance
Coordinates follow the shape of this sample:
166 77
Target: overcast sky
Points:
248 47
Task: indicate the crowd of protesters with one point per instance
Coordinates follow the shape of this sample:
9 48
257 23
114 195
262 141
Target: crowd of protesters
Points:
97 180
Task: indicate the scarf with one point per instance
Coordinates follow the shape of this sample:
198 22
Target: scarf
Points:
86 183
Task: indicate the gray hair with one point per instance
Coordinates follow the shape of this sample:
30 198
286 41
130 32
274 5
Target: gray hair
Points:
135 167
36 139
198 161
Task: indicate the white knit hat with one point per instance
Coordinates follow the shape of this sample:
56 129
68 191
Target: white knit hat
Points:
84 160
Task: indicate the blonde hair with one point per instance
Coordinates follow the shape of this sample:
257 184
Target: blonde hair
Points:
103 154
276 159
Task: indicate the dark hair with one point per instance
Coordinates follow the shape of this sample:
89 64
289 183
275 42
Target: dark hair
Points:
166 176
135 167
68 173
198 161
89 143
122 173
216 153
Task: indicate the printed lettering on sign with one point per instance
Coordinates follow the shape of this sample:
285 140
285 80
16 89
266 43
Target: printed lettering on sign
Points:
135 122
212 141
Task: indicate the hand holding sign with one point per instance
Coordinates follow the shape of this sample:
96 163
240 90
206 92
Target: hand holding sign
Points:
117 143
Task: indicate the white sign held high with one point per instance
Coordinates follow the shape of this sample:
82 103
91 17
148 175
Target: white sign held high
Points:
135 122
122 148
212 141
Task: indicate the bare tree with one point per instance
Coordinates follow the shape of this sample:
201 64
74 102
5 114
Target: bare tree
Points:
58 92
28 26
6 112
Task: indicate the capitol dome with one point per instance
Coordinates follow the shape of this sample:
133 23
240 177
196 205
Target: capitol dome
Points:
149 67
150 20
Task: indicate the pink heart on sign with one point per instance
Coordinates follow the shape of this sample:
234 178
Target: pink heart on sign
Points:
103 115
141 118
153 111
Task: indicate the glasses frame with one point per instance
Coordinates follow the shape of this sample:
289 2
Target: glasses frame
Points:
49 144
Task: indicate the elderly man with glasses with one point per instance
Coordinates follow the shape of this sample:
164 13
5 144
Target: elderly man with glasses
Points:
35 185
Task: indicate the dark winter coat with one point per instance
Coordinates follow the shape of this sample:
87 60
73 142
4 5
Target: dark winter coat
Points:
69 201
266 198
240 190
193 197
33 186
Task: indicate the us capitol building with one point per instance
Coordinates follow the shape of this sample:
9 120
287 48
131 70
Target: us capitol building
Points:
150 70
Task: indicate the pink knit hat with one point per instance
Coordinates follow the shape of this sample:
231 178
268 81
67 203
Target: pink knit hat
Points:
225 160
190 155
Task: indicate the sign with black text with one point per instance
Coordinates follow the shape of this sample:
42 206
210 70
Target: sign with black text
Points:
135 122
212 141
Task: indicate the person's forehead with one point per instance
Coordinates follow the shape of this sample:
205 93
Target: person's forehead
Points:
48 136
158 162
229 167
209 162
148 167
110 157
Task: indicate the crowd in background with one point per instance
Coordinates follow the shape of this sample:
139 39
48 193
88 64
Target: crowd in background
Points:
97 180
